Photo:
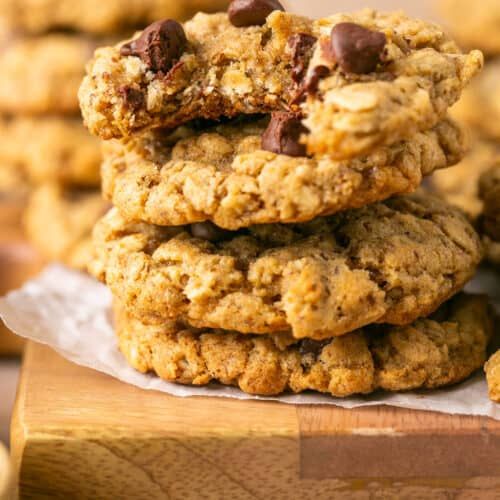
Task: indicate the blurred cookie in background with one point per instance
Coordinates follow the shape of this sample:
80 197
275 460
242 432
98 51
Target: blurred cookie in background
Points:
59 222
99 16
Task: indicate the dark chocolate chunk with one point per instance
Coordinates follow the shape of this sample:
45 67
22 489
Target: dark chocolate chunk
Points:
356 49
160 45
251 12
133 98
282 135
312 82
301 45
209 232
314 347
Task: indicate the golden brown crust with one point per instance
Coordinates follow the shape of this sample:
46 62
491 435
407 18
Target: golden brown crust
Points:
222 174
390 262
429 353
492 369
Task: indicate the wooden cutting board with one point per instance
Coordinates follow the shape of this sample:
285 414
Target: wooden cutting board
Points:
18 262
79 434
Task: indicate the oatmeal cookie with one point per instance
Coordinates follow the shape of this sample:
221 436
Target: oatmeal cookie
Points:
360 80
222 174
492 369
59 222
99 16
489 191
45 149
390 262
42 74
429 353
474 24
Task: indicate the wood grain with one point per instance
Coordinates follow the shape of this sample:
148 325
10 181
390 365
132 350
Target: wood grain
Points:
80 434
18 262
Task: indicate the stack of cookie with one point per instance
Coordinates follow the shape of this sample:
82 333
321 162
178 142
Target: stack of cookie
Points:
263 235
45 152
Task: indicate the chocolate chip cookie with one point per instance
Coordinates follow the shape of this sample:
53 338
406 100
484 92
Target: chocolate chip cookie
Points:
357 81
390 262
222 174
474 24
489 191
59 222
459 185
13 182
429 353
51 148
480 104
42 74
492 369
99 17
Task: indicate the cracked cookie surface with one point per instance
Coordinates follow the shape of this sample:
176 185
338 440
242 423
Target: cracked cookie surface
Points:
99 17
222 174
391 262
228 71
51 148
59 222
430 353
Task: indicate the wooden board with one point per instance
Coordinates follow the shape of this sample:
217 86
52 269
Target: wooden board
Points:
18 262
79 434
5 474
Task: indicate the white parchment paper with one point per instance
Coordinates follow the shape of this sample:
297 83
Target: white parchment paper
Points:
70 312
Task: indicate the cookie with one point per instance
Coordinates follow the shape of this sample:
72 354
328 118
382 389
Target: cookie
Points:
13 182
402 80
479 106
492 369
59 222
390 262
108 16
222 174
427 354
53 148
474 24
42 75
489 191
459 185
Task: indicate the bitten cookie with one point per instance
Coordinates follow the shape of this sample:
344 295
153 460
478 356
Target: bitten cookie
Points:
99 17
429 353
223 174
390 262
359 80
45 149
59 222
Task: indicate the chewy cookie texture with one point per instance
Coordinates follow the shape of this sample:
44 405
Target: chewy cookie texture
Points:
223 174
390 262
489 189
357 81
429 353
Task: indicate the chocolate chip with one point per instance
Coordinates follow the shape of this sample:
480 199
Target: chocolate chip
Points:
357 49
209 232
282 135
312 82
301 45
251 12
314 347
160 45
132 98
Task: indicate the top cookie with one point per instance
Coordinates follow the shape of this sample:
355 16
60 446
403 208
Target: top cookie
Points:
360 80
475 24
96 16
